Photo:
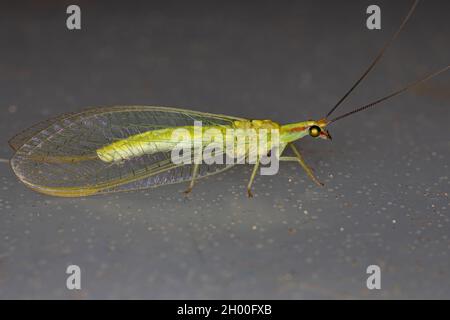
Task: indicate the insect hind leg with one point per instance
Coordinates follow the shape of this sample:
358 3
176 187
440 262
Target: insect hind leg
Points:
194 175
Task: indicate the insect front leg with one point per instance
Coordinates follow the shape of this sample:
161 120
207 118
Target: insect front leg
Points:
194 175
298 158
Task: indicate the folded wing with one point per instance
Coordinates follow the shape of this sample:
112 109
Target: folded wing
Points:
58 156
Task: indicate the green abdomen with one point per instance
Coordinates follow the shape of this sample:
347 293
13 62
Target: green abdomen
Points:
150 142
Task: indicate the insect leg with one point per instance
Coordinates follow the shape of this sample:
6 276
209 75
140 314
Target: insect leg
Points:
194 175
298 157
252 177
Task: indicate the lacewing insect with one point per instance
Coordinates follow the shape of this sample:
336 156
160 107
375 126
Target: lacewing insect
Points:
124 148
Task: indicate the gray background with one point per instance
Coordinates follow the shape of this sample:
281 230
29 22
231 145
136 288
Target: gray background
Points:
386 171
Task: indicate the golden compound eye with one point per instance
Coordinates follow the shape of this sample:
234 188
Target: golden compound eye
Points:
314 131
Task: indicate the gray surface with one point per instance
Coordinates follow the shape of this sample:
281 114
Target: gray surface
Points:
386 171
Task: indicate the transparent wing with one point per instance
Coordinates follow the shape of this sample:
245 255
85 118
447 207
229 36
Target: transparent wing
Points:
168 175
61 160
19 139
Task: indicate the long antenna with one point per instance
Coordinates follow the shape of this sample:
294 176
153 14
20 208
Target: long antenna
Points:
377 58
407 87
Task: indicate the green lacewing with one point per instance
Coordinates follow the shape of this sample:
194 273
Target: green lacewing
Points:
123 148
